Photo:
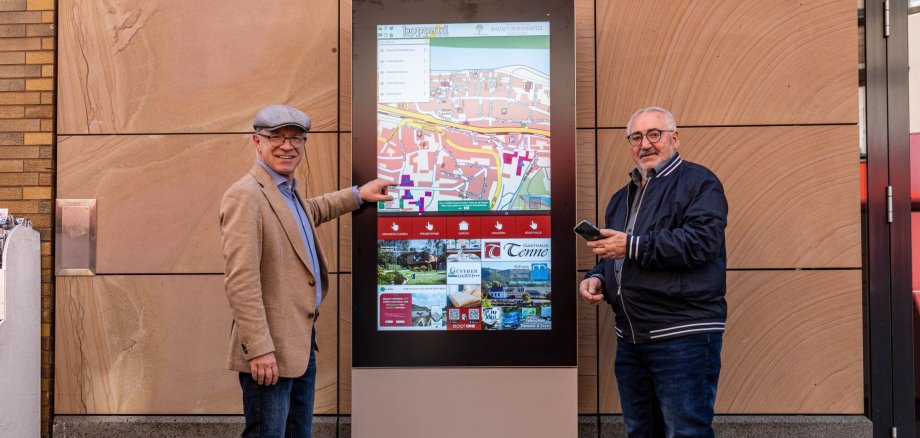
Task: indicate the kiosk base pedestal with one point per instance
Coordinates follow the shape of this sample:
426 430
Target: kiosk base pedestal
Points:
464 402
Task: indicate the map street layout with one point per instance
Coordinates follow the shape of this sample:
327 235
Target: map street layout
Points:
471 139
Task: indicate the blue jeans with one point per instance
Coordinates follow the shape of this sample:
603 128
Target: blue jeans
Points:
668 388
281 410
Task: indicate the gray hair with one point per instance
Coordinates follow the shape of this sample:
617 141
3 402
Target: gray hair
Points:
669 118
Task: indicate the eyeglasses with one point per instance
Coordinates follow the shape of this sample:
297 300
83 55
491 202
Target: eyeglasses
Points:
278 140
653 136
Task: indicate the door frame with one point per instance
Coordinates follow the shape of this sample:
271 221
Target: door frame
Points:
888 296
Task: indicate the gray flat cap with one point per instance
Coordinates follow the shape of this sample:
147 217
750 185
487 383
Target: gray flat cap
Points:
277 116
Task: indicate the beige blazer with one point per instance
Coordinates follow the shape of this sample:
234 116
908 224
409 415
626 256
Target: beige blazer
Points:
267 278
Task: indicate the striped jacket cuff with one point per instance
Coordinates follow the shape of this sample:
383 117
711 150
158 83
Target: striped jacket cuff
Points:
633 247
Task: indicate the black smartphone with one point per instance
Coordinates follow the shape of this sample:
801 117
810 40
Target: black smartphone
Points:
588 231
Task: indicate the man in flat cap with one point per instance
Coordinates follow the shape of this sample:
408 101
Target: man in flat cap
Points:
275 276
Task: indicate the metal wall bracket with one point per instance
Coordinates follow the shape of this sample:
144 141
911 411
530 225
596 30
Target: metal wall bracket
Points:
75 237
889 203
887 18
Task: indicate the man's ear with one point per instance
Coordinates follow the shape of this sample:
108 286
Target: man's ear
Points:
675 139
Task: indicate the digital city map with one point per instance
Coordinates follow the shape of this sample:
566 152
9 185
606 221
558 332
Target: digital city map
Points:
463 122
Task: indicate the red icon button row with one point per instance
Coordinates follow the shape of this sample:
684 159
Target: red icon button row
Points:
462 227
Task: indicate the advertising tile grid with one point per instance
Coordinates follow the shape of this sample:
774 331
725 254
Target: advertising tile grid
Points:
464 273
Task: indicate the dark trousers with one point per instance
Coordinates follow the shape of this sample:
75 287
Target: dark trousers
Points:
281 410
668 388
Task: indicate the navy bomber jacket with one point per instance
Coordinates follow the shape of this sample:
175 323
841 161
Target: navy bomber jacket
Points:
673 278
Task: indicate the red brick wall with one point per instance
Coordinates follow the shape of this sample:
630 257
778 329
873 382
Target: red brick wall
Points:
27 55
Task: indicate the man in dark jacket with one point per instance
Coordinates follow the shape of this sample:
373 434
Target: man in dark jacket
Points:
662 269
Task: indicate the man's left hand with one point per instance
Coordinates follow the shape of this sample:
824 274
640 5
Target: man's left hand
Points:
612 246
375 190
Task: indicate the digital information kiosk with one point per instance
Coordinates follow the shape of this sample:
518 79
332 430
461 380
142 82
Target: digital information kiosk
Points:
464 285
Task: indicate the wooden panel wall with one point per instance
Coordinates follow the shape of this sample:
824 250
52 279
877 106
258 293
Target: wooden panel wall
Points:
155 102
783 213
164 191
793 345
156 344
744 62
160 66
155 107
142 344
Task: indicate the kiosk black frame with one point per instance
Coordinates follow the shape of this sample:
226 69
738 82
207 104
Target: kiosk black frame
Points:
555 347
